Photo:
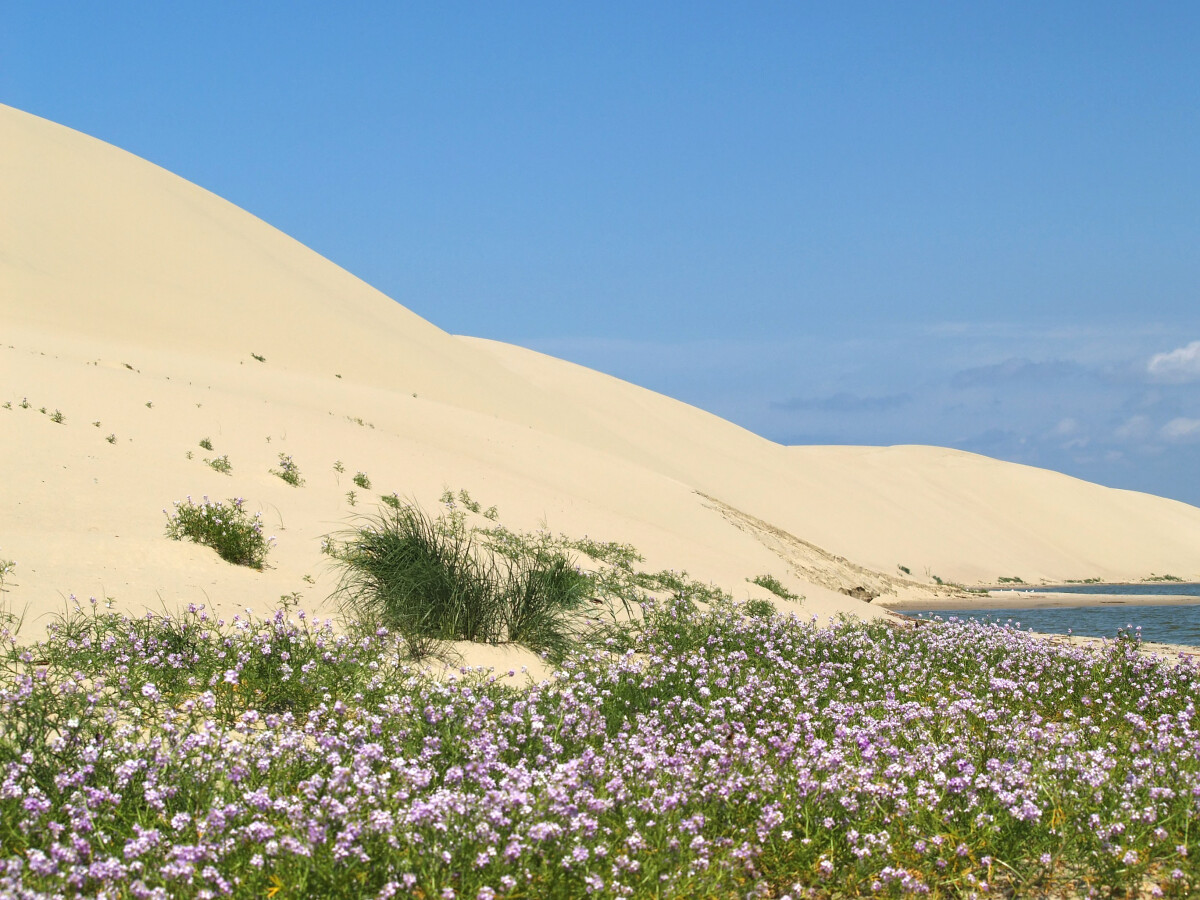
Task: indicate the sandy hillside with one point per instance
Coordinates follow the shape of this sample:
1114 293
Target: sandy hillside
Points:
135 303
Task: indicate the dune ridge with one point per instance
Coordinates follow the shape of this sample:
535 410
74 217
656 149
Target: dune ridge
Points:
133 298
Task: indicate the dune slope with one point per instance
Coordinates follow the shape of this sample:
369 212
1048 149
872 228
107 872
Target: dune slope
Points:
153 314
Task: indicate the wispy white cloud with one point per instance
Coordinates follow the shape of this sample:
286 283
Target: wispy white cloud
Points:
1182 429
1181 364
1135 428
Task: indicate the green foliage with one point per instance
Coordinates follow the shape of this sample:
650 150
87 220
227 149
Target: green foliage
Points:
1159 578
761 609
258 357
57 417
220 464
775 586
288 470
1013 579
433 581
905 569
6 568
227 528
206 444
352 498
112 438
391 500
338 467
361 479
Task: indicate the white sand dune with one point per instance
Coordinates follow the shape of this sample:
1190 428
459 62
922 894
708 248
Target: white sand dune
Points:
132 298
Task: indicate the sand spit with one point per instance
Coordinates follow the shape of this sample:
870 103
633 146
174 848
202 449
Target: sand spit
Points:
151 314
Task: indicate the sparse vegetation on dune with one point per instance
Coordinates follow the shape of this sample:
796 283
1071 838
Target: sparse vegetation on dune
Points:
227 528
220 464
288 470
775 586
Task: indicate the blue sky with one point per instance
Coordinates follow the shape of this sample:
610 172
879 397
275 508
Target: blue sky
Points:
975 225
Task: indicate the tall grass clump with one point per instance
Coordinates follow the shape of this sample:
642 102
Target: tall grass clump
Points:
236 535
432 580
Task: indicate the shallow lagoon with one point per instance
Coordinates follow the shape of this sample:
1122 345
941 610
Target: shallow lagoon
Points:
1177 623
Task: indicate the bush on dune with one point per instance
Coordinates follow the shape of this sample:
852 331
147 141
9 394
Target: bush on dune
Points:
431 580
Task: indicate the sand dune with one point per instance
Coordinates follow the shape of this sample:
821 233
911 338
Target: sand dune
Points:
132 298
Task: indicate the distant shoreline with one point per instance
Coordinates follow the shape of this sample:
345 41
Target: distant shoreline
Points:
1036 600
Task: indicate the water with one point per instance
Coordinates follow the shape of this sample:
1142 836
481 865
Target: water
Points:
1154 589
1174 624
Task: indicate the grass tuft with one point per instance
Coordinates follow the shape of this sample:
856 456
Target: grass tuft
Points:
432 580
775 586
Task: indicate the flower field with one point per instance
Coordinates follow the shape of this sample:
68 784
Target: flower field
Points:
699 753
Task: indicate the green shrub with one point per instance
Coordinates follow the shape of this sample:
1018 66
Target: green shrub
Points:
430 579
206 444
361 479
227 528
775 586
759 609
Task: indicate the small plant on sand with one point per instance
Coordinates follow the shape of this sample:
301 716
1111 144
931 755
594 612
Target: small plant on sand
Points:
6 568
288 470
258 357
24 404
361 479
1011 579
206 444
775 586
149 404
761 609
391 500
57 417
1160 578
96 424
236 535
905 569
220 464
338 468
352 498
112 438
